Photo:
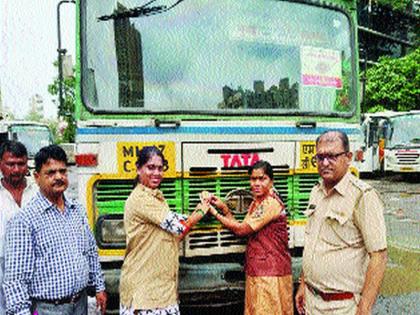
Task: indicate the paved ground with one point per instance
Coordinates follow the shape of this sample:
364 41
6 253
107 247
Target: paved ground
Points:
402 200
400 292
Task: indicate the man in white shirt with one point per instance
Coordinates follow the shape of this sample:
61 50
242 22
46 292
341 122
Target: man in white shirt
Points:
15 192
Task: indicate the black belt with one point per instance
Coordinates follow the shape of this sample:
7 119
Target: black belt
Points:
73 299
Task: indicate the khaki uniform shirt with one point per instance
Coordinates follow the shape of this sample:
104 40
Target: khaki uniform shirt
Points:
149 275
343 227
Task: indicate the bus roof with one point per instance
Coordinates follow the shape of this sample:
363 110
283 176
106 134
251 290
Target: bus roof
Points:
22 122
4 124
385 114
407 114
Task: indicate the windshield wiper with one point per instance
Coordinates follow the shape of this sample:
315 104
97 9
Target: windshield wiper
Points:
144 10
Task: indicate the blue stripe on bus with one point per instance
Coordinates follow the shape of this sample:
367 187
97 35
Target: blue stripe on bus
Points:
208 130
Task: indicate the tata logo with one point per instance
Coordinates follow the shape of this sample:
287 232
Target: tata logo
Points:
239 200
239 160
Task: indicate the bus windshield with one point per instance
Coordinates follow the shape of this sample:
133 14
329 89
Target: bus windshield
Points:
32 136
405 131
217 57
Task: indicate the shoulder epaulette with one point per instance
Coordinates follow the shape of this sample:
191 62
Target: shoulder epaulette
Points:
363 186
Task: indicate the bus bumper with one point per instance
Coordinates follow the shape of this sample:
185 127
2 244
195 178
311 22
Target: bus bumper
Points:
211 284
205 285
200 285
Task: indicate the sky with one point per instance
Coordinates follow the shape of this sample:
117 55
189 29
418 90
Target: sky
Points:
28 48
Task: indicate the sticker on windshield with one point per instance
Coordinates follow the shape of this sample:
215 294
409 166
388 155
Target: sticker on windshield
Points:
321 67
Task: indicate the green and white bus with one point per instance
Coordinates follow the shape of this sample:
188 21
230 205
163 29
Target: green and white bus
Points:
217 85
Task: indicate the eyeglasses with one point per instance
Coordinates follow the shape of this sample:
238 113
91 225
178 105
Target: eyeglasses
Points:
329 156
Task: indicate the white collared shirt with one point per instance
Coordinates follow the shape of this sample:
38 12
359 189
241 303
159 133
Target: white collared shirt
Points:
9 207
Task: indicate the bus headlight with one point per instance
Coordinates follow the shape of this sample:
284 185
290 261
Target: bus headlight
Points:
110 231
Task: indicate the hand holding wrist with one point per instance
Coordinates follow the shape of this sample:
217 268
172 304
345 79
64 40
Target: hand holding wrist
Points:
202 209
213 211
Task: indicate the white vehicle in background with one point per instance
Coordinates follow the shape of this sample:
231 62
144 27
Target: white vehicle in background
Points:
374 128
402 150
33 135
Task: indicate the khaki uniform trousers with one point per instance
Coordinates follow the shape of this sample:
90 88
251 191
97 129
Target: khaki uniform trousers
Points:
315 305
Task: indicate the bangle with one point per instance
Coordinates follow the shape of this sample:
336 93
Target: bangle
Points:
225 210
186 230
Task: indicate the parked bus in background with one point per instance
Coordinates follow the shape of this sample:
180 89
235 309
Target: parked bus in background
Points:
374 127
34 135
402 150
217 86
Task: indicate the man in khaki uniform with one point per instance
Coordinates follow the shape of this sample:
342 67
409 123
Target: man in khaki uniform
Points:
344 258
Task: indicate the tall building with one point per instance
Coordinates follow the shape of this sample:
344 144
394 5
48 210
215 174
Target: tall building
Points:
128 50
259 86
36 104
395 37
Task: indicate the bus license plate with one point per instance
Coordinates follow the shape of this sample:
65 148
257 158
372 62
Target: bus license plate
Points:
406 169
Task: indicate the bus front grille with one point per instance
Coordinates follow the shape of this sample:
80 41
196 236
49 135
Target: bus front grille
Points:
407 158
207 237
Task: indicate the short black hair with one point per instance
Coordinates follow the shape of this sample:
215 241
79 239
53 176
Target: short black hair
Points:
265 166
340 134
53 151
16 148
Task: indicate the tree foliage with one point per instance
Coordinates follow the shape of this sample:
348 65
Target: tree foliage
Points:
393 84
34 115
67 112
400 5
